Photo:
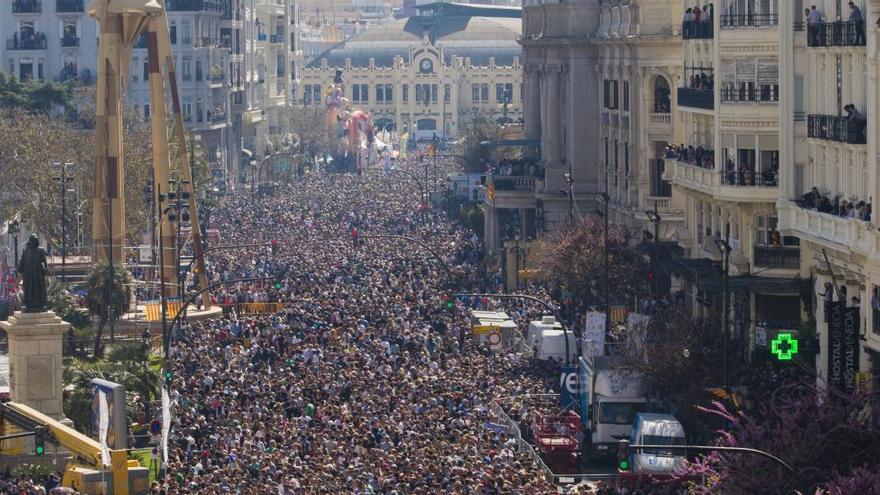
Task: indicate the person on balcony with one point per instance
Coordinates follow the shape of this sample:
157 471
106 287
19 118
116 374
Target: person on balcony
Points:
688 22
858 21
775 238
814 22
855 125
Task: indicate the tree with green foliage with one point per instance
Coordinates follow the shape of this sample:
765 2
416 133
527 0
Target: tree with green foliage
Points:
128 364
100 297
64 305
34 96
478 157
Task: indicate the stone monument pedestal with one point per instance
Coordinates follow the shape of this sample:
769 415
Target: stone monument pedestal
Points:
35 350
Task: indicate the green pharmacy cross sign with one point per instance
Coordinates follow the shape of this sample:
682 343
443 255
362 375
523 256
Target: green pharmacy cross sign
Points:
784 346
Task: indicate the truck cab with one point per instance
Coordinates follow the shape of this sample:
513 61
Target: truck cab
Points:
656 429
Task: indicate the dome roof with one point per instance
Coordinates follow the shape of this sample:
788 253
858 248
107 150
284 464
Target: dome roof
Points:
459 35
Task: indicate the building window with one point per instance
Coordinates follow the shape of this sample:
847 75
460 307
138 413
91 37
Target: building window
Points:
307 94
508 92
199 109
198 70
700 222
187 111
173 31
356 92
434 93
316 93
626 96
389 93
475 92
419 91
146 110
447 93
615 95
499 93
606 93
484 91
365 93
764 224
380 93
187 69
405 96
146 71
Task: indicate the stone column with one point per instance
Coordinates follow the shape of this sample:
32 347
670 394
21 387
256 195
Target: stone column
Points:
552 138
35 361
532 105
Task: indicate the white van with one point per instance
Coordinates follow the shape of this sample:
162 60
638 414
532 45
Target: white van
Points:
657 429
552 345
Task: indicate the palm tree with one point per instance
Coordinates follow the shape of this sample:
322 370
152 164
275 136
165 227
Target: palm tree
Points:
100 298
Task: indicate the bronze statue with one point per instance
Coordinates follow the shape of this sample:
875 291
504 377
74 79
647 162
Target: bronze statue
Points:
32 269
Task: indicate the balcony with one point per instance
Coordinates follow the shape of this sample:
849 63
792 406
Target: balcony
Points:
834 128
26 7
69 42
276 38
696 98
693 30
194 6
513 183
68 6
843 233
764 94
839 33
733 21
38 42
778 257
710 181
218 77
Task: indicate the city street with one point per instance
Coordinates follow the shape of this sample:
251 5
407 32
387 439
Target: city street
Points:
363 382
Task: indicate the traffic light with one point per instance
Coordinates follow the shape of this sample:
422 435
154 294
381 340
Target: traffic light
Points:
623 455
169 376
274 244
447 302
39 441
276 283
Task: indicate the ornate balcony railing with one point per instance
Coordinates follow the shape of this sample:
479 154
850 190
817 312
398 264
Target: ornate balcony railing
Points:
764 94
26 7
693 30
696 98
36 43
839 33
195 6
68 42
778 257
67 6
730 21
514 182
834 128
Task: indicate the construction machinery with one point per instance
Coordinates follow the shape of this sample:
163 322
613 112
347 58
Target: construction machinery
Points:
122 23
85 472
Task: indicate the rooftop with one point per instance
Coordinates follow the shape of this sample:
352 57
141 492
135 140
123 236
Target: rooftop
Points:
458 33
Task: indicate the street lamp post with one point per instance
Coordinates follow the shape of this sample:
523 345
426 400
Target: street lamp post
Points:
606 199
654 217
725 249
14 229
63 179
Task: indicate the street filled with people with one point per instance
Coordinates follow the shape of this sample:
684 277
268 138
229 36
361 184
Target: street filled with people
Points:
366 380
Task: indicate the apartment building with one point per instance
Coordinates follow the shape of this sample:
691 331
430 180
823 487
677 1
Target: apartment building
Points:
639 64
838 162
234 61
49 40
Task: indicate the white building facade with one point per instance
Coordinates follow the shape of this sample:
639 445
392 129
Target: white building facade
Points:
48 40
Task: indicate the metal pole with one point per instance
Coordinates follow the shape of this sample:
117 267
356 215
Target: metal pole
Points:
606 274
726 316
656 251
162 292
63 223
109 292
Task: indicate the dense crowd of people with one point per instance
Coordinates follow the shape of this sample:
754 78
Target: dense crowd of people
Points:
366 381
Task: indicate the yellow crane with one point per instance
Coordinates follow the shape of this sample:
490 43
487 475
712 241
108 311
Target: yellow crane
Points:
85 472
121 23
